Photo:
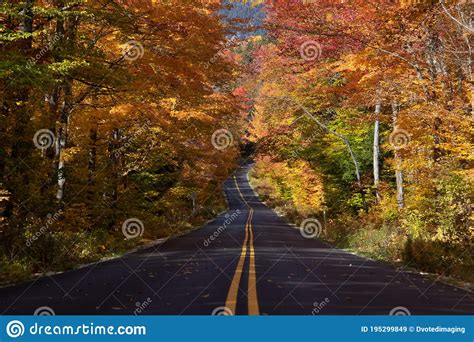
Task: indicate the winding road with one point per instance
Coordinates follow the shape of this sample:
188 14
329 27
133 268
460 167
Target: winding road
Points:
247 261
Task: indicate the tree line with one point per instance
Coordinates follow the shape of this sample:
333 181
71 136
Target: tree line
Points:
371 104
107 115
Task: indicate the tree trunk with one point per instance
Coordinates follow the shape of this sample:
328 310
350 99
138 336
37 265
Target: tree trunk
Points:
21 146
376 149
433 48
398 163
470 73
53 100
92 163
69 39
61 139
114 153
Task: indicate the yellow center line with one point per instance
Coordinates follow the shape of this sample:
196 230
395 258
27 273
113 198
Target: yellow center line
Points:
252 285
231 301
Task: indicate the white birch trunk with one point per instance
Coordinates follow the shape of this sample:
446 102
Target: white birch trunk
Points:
376 149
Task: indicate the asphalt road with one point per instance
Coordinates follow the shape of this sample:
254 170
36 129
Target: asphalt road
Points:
246 261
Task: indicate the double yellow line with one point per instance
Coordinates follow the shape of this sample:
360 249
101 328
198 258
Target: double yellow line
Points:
231 301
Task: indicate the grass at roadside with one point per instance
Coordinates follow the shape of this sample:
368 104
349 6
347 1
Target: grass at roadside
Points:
57 250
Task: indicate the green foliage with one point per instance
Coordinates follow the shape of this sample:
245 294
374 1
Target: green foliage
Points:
453 206
17 269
